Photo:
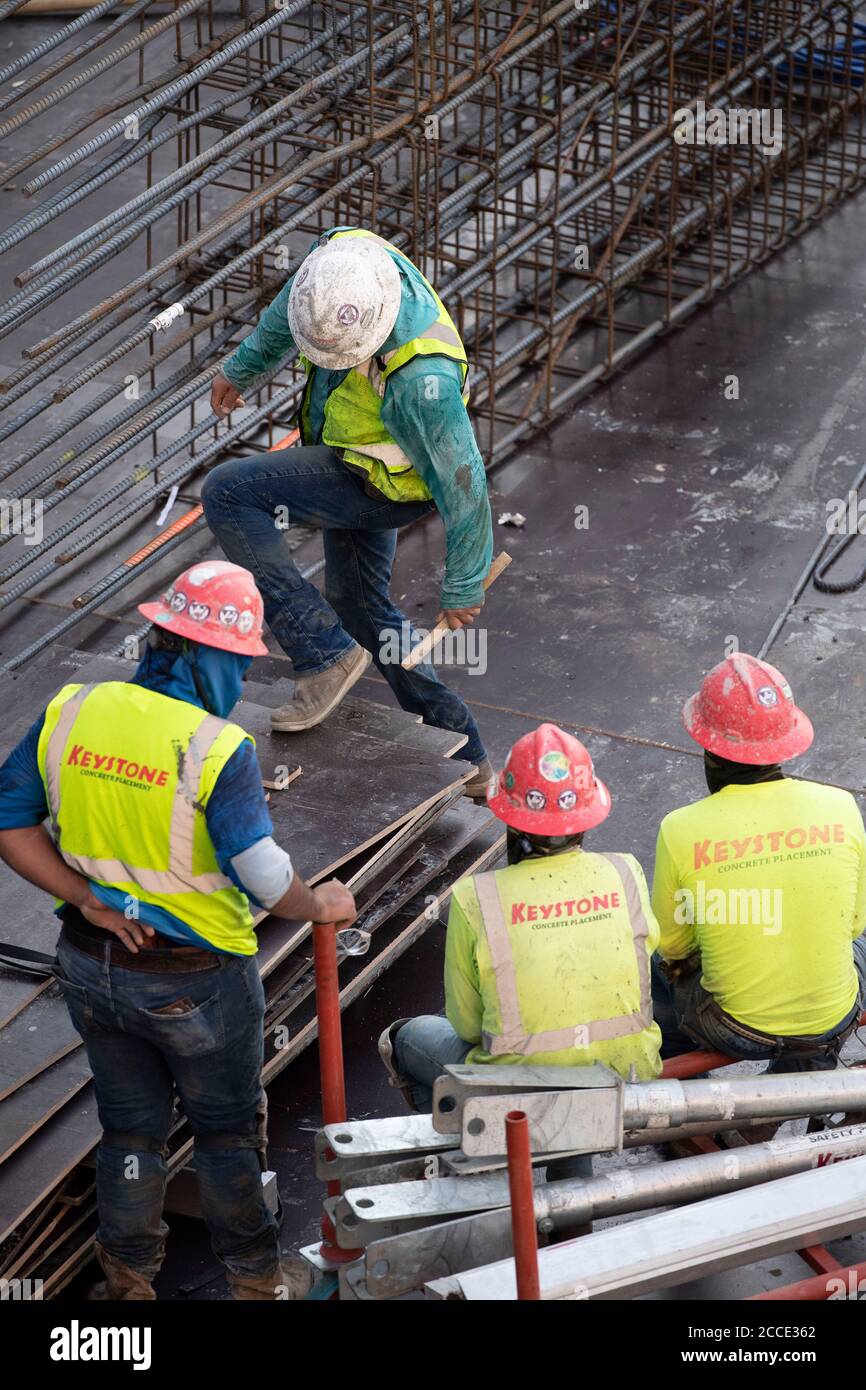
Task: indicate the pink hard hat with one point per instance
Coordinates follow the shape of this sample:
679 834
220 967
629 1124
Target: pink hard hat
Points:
215 603
548 785
744 711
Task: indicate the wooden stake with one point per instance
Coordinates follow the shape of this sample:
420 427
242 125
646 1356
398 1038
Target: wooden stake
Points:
426 645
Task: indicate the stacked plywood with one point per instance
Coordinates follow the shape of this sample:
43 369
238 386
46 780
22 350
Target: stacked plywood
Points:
378 801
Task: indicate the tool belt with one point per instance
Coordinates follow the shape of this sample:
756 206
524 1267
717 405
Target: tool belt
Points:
804 1045
158 954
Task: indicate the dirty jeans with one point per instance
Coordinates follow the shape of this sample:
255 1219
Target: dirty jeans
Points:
676 1009
425 1046
211 1056
249 502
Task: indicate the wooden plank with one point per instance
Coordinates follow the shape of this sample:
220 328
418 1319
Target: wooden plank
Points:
17 991
408 926
35 1170
33 1104
41 1034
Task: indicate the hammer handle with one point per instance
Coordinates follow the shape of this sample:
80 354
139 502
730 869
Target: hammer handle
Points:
426 645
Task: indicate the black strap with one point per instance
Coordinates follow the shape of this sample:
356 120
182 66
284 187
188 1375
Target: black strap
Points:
22 958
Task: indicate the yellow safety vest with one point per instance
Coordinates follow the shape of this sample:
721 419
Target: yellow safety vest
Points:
557 953
353 412
127 775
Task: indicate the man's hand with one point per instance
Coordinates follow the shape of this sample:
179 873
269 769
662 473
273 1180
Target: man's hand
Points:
131 932
457 617
334 903
224 398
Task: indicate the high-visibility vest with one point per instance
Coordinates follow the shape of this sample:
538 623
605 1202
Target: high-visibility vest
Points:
353 411
613 964
128 774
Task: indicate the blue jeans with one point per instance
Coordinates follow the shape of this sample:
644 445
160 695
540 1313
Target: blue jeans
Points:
248 501
211 1056
425 1046
679 1010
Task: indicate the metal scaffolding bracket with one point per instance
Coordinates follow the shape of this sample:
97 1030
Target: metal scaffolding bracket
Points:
670 1247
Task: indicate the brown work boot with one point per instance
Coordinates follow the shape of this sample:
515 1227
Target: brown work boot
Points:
292 1279
315 696
121 1283
476 787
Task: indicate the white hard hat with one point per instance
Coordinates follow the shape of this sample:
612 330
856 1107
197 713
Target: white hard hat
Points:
344 302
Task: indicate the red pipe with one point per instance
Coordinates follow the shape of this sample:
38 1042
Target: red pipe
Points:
330 1065
520 1191
852 1278
693 1063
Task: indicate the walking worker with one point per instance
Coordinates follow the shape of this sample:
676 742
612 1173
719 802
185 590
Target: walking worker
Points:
160 841
385 439
759 888
547 961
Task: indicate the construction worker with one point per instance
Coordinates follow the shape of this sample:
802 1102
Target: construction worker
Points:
760 888
547 962
160 841
385 439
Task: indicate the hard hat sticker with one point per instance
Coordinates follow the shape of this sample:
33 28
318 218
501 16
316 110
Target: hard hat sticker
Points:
767 696
245 622
201 574
177 603
535 800
554 767
566 800
228 615
198 612
347 314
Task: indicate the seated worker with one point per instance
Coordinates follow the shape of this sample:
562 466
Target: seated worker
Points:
160 840
547 961
760 888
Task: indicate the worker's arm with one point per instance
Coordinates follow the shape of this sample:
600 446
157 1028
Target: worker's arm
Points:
678 938
653 929
424 412
28 849
269 343
464 1008
240 828
858 925
30 852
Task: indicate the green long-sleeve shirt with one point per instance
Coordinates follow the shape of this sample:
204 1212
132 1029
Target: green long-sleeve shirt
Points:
432 427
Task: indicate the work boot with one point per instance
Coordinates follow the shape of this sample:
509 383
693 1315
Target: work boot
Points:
292 1279
401 1083
315 696
121 1283
476 787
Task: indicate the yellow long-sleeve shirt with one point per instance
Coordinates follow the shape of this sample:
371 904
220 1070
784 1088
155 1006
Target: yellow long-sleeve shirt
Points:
769 883
574 955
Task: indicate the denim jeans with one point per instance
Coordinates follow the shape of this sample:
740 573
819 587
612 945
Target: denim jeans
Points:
425 1046
685 1026
243 501
211 1056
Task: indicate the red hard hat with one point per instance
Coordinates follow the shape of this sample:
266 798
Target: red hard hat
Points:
548 786
745 711
215 603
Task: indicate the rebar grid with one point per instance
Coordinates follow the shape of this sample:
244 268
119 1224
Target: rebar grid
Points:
528 156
